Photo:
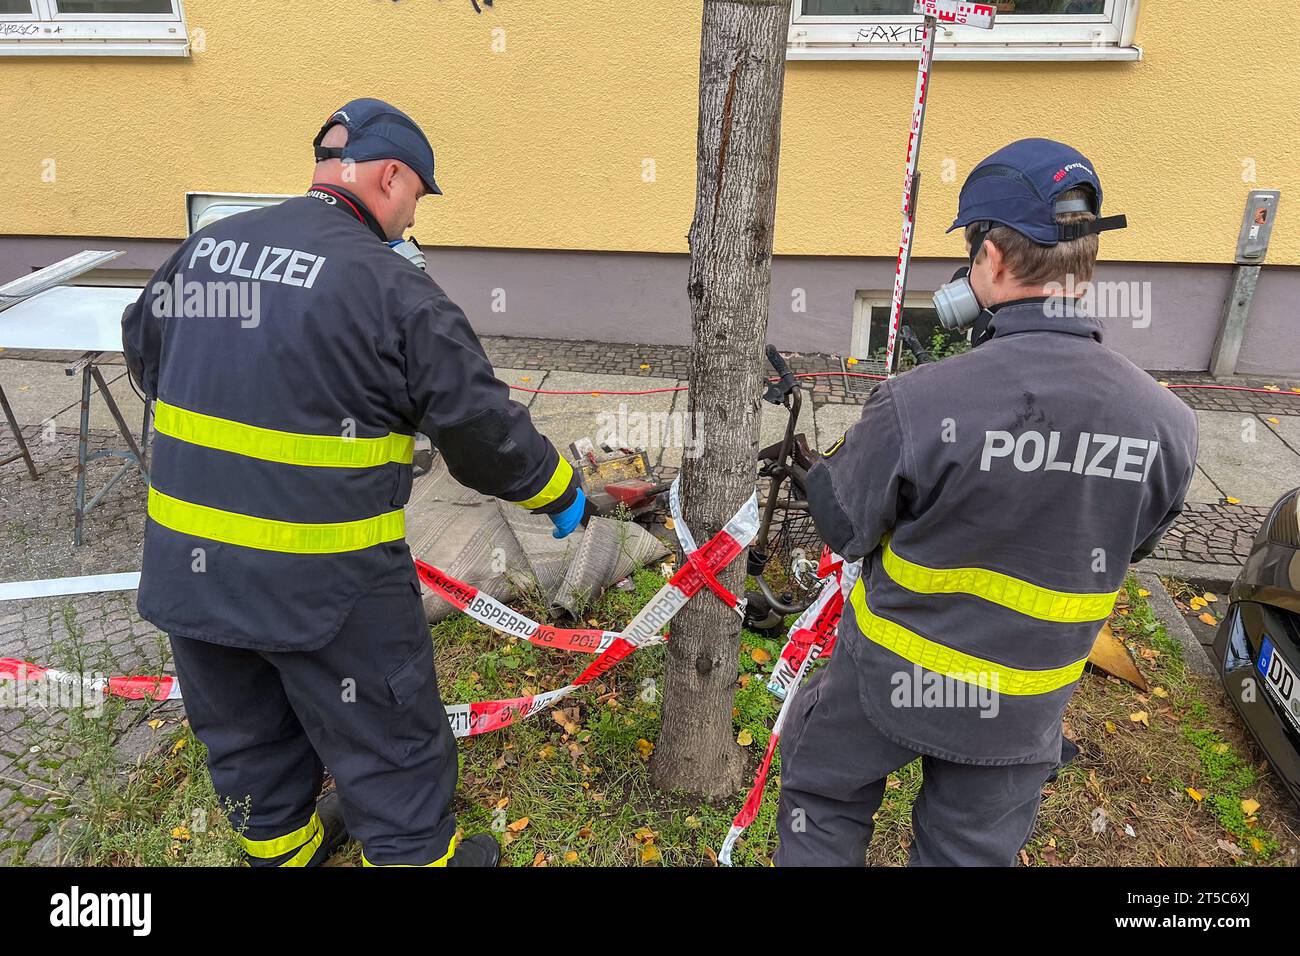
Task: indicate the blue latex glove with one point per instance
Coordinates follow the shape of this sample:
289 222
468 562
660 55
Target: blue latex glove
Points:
567 520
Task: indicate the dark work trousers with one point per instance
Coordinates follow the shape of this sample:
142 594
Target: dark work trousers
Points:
834 764
365 705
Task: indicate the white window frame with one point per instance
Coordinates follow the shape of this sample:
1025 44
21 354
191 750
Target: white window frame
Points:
1105 36
47 32
864 302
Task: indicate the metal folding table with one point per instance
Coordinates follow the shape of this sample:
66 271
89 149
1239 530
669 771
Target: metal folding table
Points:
86 319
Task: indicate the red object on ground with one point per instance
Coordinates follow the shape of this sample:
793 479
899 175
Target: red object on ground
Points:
630 491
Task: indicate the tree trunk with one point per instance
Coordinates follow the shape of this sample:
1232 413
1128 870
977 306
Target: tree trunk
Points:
742 71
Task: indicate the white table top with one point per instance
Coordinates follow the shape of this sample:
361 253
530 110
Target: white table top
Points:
68 318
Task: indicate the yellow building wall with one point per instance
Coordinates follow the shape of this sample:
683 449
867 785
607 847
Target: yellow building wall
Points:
548 143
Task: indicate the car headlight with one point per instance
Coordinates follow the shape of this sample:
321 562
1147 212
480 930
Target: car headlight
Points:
1282 526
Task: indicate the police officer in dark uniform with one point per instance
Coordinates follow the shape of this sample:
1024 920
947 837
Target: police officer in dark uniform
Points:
996 499
292 356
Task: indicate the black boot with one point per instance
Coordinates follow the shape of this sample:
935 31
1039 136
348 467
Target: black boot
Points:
481 849
330 810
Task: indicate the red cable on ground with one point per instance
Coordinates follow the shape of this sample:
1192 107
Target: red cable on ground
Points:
1240 388
682 388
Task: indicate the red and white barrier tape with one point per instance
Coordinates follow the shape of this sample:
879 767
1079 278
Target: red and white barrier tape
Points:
811 638
133 688
698 572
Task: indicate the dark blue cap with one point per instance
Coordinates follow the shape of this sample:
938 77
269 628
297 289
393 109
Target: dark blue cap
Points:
377 130
1019 186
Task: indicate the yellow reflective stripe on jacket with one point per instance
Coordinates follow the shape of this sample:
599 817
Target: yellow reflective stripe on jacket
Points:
952 663
441 861
305 839
288 448
1063 607
266 534
558 484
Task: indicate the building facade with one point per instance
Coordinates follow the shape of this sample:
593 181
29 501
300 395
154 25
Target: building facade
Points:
565 140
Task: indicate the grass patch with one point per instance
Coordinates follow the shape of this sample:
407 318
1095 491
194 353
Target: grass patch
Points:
571 787
98 809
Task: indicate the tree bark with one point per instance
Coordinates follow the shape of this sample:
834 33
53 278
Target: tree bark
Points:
742 72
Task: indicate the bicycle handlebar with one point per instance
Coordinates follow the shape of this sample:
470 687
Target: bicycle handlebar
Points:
777 391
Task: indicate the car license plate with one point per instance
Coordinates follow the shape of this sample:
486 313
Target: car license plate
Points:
1280 679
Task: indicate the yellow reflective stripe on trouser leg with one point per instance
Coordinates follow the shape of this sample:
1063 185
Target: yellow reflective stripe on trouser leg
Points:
952 663
441 861
1063 607
289 448
266 534
558 484
306 840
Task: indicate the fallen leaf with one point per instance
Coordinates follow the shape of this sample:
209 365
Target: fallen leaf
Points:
571 857
744 738
693 822
155 724
547 752
1232 501
1111 728
180 833
180 745
1208 618
645 747
1160 692
1140 717
650 853
502 803
851 361
1143 592
1110 656
1250 807
644 835
1098 820
1197 603
1195 794
1256 844
713 857
644 366
518 826
1231 848
1210 597
1024 858
759 656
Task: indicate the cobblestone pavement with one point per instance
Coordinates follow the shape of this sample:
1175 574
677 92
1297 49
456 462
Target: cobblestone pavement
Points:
45 751
1284 401
41 748
1212 534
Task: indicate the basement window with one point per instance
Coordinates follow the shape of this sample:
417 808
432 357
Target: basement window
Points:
1024 30
92 28
871 329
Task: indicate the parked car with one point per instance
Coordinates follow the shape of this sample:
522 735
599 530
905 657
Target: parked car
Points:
1258 643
